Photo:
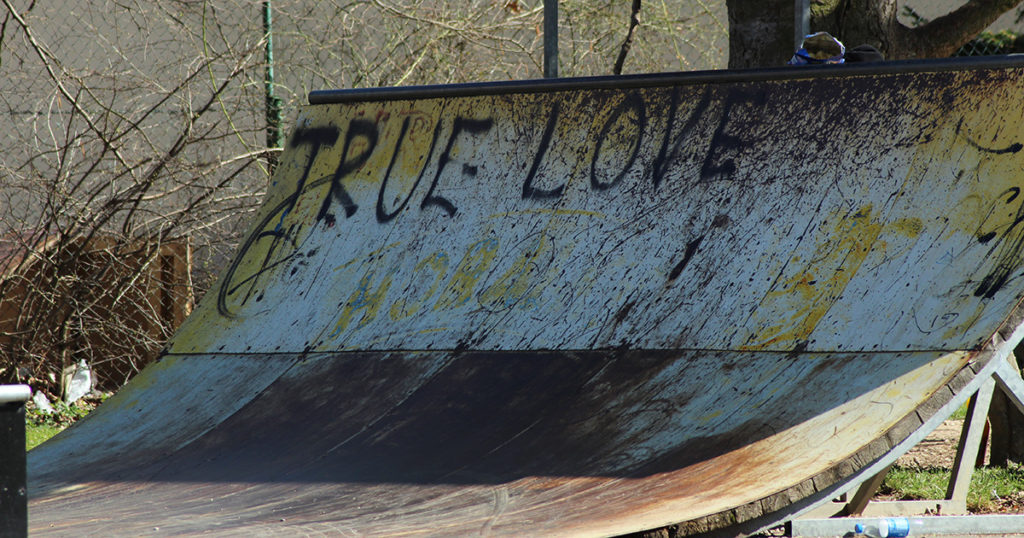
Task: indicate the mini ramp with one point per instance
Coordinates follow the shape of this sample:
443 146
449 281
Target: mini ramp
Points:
578 307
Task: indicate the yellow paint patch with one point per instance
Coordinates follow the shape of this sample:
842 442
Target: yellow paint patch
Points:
474 264
802 300
522 284
367 297
435 264
704 419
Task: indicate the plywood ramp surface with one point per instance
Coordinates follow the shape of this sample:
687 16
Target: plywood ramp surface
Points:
590 307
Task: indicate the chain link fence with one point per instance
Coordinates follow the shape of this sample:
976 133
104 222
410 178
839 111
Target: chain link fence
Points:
136 135
1005 42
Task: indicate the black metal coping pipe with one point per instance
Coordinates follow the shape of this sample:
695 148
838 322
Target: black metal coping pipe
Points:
13 495
356 95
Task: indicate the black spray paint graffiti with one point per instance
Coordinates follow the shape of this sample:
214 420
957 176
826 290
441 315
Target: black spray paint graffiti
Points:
529 191
628 122
710 139
284 246
727 144
1008 247
470 126
337 193
665 155
382 214
631 102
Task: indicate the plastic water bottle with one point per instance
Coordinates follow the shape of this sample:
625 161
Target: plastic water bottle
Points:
890 527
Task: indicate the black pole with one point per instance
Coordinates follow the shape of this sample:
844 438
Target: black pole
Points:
13 490
550 38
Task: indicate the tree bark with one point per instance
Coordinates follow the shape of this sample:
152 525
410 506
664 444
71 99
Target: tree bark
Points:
760 32
856 22
944 35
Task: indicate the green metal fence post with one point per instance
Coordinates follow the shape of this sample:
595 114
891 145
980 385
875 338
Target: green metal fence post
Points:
273 103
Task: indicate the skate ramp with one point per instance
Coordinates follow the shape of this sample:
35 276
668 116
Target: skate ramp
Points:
577 307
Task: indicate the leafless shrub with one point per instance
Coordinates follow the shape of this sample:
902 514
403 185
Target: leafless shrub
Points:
136 139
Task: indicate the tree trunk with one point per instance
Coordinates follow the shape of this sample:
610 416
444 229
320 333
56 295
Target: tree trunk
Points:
857 22
760 32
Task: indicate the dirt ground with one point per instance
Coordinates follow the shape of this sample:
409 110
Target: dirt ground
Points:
939 450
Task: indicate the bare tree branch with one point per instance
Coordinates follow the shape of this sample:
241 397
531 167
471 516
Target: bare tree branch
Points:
944 35
136 138
634 21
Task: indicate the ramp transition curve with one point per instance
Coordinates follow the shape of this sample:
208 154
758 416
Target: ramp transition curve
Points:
580 307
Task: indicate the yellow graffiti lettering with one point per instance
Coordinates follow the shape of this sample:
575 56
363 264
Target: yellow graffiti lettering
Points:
522 284
363 299
437 263
478 258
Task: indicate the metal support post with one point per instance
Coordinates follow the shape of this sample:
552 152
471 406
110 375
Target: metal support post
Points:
550 38
13 494
801 22
275 135
1004 376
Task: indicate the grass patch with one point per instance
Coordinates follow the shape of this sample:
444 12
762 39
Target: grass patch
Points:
960 413
994 483
988 484
40 426
35 434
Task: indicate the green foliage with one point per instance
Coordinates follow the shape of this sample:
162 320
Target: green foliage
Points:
40 425
991 483
987 484
907 483
1003 39
35 434
960 413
